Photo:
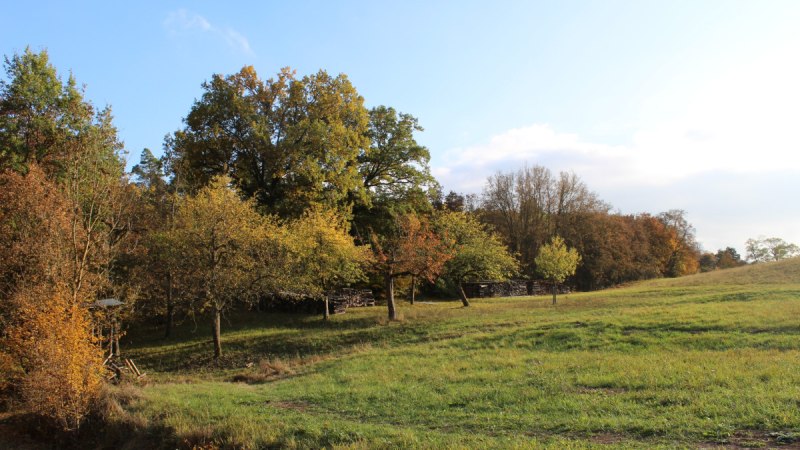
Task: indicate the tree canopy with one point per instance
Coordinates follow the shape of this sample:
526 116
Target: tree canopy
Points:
555 262
231 251
288 143
477 253
770 249
323 254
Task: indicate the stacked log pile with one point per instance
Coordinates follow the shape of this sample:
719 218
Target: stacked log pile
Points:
545 288
513 288
338 301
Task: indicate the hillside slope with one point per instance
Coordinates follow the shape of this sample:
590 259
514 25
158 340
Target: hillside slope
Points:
778 272
706 361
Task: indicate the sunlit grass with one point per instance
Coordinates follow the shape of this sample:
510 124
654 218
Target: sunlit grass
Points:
701 361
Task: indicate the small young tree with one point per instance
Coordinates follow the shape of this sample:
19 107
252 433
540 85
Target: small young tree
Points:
477 253
51 338
228 249
556 262
415 249
323 254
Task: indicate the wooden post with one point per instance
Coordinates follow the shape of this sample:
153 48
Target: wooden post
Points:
111 341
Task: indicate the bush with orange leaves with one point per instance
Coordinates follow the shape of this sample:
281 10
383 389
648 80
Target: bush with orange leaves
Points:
61 363
48 355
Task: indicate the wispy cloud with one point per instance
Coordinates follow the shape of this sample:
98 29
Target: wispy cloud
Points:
184 22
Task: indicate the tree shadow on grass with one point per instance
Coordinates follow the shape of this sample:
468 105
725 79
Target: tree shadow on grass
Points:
26 431
248 337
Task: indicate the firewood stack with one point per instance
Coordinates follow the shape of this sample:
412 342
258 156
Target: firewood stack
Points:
338 301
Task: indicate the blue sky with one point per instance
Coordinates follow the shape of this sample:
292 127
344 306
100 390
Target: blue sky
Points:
655 104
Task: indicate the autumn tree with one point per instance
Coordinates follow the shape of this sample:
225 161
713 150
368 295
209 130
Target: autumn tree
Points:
707 262
683 259
59 360
158 269
427 251
35 231
287 142
477 253
79 224
47 122
46 332
555 262
415 249
529 205
728 258
228 250
323 255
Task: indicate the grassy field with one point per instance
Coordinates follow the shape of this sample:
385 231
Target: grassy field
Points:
700 362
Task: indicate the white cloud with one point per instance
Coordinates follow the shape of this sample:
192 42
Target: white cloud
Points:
183 22
735 176
743 120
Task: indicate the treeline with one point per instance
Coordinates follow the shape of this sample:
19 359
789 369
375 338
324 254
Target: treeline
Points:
529 206
286 184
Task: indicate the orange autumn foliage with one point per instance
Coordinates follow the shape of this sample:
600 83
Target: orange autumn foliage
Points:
59 359
48 354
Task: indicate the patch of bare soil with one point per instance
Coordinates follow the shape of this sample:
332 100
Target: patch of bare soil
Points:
296 406
607 438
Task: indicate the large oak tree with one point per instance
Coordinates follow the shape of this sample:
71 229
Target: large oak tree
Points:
287 142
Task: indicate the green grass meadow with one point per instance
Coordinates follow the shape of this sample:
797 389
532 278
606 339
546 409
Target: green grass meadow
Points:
707 361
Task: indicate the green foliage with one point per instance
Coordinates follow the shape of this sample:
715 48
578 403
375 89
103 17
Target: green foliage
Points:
770 249
394 172
289 143
395 163
555 261
227 251
478 253
323 254
46 121
150 171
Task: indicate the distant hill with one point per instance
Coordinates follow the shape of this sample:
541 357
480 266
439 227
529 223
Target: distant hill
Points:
779 272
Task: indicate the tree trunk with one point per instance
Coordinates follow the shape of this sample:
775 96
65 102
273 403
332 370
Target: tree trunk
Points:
389 279
170 307
413 288
215 330
463 295
327 313
554 292
170 320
